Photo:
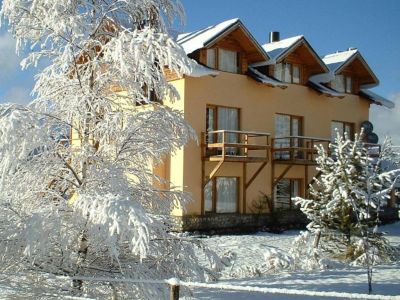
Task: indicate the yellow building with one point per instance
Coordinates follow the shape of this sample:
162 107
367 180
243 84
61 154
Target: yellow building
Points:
258 112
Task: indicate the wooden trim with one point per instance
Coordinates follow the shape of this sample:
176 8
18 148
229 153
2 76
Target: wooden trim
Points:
282 175
244 187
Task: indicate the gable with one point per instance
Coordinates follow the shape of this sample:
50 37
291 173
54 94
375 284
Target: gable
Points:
231 34
351 63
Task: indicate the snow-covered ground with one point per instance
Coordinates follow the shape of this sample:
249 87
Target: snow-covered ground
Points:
250 251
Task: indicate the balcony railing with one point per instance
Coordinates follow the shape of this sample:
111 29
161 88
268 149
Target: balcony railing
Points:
235 145
297 149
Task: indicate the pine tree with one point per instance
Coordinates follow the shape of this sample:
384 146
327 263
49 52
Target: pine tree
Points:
346 199
90 207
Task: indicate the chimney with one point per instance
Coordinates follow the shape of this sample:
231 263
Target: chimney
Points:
274 36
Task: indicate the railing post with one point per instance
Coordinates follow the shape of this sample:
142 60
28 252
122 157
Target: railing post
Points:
173 292
223 144
246 141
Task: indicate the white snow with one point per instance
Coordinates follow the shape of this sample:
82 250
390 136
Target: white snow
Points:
267 80
378 99
199 70
276 49
335 60
197 39
249 250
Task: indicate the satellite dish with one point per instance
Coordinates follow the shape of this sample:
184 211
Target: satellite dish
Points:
367 126
372 138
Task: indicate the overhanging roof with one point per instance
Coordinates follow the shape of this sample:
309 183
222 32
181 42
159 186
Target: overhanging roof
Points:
207 37
338 61
277 51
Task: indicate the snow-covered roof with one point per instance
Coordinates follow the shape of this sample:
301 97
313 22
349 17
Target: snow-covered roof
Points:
377 99
339 60
205 37
336 60
276 49
258 76
198 39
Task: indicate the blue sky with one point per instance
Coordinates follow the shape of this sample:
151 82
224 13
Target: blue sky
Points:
373 26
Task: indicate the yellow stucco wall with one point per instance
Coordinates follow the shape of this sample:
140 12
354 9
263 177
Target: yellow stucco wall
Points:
258 104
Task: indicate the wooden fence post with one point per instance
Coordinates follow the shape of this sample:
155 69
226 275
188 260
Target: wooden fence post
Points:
173 292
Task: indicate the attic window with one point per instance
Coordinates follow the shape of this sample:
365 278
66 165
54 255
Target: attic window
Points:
227 60
211 58
342 84
287 72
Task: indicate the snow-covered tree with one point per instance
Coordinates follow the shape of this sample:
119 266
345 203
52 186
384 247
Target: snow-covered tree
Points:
346 199
77 193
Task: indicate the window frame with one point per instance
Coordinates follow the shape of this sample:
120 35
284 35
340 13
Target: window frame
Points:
344 124
216 108
214 194
347 83
217 53
290 66
299 118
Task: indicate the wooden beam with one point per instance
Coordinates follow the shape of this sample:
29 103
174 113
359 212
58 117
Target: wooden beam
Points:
203 185
305 180
282 175
255 175
244 187
213 172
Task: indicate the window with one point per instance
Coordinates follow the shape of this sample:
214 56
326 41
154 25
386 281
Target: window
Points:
222 118
227 61
285 126
211 58
222 59
285 192
342 84
342 128
287 72
221 195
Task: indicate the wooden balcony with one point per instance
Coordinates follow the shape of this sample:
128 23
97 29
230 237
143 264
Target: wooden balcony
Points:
297 150
235 146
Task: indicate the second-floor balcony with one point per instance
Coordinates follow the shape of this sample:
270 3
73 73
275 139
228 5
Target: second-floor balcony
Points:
235 146
297 149
252 146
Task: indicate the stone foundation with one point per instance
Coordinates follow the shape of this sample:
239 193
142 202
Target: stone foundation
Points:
239 223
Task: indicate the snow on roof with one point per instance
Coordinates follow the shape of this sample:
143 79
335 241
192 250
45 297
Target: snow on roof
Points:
265 79
377 99
276 49
198 39
335 60
199 70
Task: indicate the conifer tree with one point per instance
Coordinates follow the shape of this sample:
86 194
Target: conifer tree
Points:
345 200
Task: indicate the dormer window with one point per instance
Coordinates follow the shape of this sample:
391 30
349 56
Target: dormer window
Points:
227 60
342 84
211 58
287 72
